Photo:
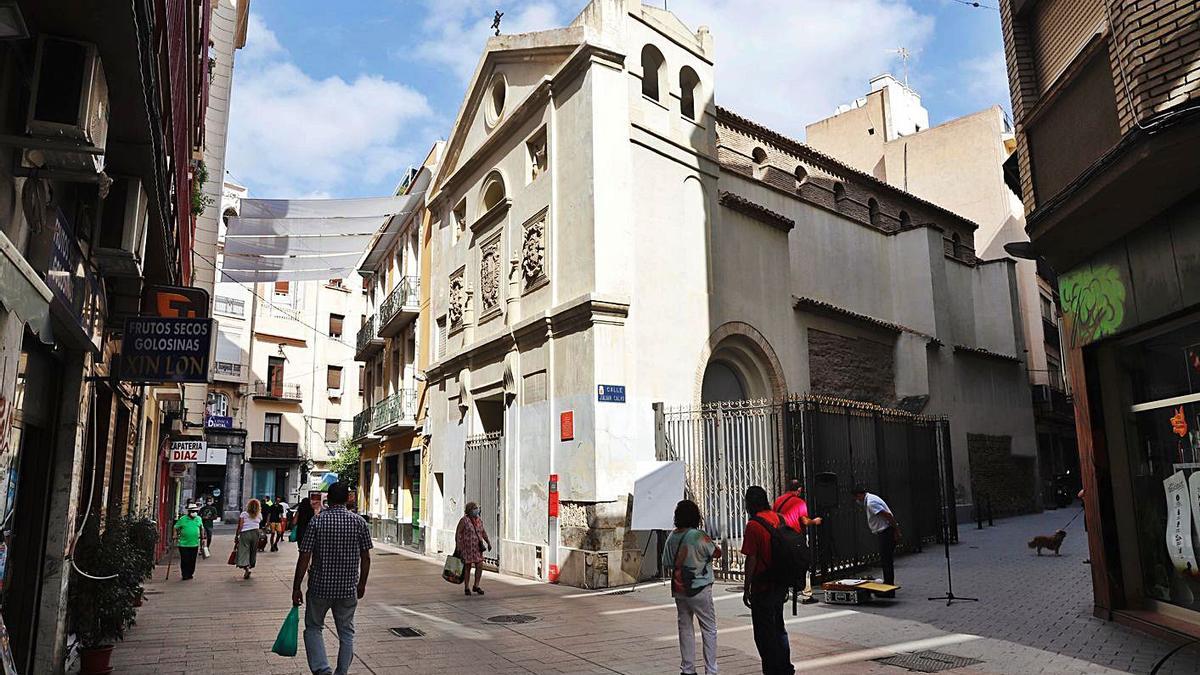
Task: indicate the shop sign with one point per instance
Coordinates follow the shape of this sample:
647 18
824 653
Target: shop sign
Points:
610 393
218 422
166 350
178 470
566 425
175 302
1179 523
215 456
187 451
70 280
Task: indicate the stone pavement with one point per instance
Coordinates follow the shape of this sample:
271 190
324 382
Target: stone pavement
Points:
1035 617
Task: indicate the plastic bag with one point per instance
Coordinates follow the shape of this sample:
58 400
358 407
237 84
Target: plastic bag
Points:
452 571
292 535
287 641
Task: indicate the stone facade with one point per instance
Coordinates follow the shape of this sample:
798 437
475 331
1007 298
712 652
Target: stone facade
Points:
1004 483
855 368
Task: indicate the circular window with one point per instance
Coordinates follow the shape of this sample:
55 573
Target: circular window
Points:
496 95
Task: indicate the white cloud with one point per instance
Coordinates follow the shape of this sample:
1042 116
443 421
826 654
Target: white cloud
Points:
294 135
987 79
784 64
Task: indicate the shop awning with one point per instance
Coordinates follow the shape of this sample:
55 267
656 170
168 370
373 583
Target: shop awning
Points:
23 292
307 239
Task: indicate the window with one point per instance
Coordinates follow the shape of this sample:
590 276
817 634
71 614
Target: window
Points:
336 283
223 304
366 286
275 375
332 430
282 287
441 337
272 427
362 379
335 325
333 378
652 67
873 211
218 404
497 94
689 84
493 192
839 194
956 242
1047 308
905 220
536 148
801 176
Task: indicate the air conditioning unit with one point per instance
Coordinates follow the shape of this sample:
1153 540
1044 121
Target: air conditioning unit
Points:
68 102
119 240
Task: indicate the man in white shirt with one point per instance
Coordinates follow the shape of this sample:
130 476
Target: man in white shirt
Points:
886 530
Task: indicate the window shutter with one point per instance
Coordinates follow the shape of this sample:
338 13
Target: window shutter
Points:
282 287
333 377
335 325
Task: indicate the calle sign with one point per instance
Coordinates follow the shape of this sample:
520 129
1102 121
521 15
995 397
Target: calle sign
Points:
188 451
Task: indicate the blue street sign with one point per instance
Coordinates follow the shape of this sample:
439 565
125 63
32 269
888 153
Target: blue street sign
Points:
218 422
610 393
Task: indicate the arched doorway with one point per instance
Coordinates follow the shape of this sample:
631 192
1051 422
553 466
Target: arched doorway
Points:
739 364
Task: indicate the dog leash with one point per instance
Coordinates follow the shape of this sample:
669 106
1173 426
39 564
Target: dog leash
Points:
1073 519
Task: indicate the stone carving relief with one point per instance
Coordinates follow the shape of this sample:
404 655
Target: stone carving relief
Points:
533 252
489 275
458 300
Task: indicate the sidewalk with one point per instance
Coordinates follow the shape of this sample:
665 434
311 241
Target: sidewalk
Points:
219 623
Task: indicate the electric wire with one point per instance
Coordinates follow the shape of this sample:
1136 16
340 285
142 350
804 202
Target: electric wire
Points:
977 5
91 495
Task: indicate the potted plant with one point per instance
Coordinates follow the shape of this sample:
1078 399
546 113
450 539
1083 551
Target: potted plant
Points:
142 532
107 572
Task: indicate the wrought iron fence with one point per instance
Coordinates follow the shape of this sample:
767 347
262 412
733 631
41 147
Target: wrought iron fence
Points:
831 445
276 390
362 424
405 294
399 407
366 333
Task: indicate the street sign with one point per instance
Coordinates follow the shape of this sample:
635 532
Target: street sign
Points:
166 350
218 422
610 393
215 456
187 451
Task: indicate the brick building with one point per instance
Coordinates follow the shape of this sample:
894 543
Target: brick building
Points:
1106 101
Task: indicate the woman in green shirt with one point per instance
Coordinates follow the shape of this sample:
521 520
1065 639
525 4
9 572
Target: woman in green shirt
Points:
187 534
687 557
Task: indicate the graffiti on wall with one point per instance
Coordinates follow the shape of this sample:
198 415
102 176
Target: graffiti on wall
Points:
1093 302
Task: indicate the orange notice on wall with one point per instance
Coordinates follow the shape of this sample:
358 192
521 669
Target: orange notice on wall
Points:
566 425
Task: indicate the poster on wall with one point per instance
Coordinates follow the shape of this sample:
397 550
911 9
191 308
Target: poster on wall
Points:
1179 523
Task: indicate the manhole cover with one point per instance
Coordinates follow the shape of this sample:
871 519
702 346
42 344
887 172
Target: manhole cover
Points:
407 632
512 618
385 553
622 592
928 661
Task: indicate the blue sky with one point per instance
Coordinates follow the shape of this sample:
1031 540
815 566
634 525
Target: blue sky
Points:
338 99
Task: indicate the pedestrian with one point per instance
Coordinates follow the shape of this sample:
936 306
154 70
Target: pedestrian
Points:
208 515
264 535
687 556
764 598
471 540
335 552
886 530
794 509
245 541
187 533
278 516
304 515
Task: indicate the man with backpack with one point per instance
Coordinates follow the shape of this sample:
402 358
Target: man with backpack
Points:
774 552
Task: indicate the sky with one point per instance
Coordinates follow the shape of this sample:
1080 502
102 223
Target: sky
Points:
338 99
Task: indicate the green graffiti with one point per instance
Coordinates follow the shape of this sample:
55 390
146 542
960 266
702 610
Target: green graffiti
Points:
1093 300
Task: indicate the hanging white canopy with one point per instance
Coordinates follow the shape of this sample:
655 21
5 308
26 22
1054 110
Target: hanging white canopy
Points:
307 239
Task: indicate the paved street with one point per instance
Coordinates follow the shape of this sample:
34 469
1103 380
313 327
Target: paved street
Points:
1033 617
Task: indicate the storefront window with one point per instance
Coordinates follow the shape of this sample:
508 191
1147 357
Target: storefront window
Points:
1163 428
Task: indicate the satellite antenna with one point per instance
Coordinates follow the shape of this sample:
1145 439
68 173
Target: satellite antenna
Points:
905 55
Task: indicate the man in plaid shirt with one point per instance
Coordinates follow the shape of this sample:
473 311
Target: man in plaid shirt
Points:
336 555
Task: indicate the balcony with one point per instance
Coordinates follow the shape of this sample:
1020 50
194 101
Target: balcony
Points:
225 370
274 451
395 413
1050 332
276 391
1051 401
362 425
368 343
401 306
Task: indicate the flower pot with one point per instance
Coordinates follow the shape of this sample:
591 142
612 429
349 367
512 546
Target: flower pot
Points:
96 660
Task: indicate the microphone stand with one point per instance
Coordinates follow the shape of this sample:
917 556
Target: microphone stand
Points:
949 596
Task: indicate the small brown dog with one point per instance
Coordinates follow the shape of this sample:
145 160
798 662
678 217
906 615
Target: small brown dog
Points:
1052 543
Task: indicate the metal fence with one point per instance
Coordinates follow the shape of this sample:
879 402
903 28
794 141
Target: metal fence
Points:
832 445
482 486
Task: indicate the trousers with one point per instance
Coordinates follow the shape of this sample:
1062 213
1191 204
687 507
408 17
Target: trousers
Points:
887 554
770 635
699 606
187 561
314 621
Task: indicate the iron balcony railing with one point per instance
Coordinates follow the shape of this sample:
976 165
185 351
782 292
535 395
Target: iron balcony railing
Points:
227 368
362 425
395 410
276 390
368 338
405 296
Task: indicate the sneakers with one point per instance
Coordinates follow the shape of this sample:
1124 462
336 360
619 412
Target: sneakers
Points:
478 591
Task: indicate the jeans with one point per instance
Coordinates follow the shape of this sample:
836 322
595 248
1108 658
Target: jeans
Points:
343 620
770 636
187 561
887 554
700 606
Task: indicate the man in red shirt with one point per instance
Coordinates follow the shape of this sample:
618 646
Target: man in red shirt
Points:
759 594
794 509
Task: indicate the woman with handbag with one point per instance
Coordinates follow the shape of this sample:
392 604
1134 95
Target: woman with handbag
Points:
687 558
245 542
471 539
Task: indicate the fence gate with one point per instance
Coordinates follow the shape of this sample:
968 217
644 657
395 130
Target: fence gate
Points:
726 447
481 485
832 445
